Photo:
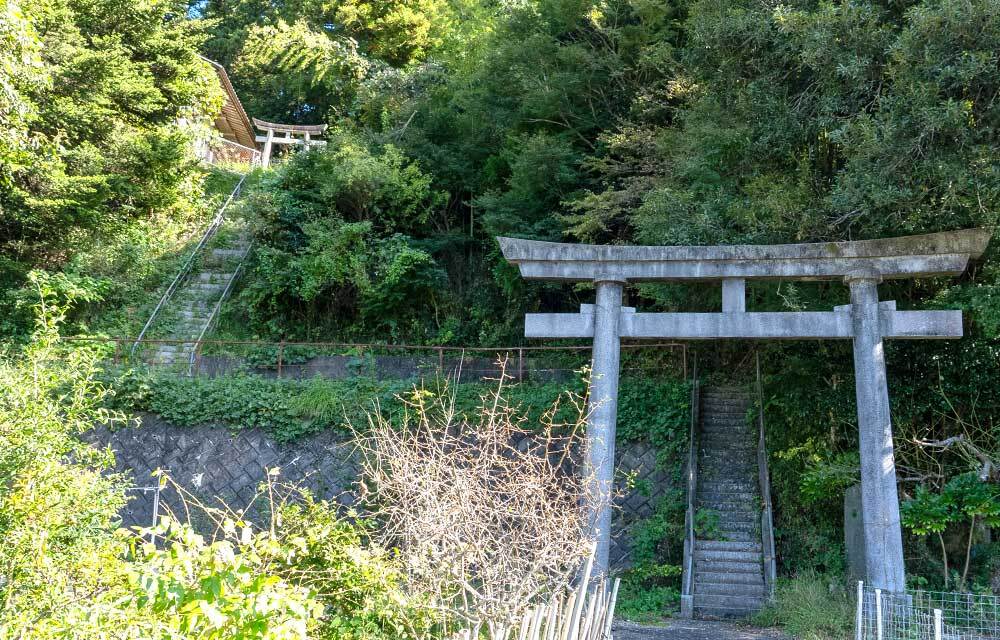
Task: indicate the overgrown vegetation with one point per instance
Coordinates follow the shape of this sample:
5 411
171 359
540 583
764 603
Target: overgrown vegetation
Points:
680 122
621 121
811 607
288 408
67 571
95 174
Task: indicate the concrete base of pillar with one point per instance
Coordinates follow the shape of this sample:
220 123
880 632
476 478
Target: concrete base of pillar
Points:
687 607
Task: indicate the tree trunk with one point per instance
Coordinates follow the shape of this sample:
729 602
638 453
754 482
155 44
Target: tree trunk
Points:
944 559
968 551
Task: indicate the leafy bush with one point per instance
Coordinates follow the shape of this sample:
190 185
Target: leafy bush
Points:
57 506
811 607
67 572
334 239
650 588
965 500
289 409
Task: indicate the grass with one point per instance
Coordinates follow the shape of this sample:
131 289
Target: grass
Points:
811 607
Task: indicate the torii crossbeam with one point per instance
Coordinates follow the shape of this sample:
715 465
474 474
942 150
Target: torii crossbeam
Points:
866 321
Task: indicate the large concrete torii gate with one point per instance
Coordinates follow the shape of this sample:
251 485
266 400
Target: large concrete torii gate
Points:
862 264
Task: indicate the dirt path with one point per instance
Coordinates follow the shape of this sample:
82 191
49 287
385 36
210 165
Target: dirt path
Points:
694 630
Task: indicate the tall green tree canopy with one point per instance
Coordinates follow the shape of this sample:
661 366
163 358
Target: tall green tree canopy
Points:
91 95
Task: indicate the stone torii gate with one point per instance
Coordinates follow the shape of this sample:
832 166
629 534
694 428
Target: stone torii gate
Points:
292 134
866 321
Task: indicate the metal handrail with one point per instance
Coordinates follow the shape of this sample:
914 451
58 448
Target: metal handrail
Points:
213 317
213 227
687 586
767 511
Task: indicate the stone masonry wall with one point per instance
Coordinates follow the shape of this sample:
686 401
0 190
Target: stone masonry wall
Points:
215 462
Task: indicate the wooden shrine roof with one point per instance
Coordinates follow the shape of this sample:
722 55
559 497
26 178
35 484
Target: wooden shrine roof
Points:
232 121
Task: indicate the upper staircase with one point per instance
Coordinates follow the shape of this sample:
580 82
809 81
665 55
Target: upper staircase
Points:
729 558
193 308
174 332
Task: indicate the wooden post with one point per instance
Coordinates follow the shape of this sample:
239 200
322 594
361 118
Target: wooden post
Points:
440 361
878 614
859 613
281 355
520 365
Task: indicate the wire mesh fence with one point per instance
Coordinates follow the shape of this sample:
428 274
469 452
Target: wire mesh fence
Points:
926 615
303 360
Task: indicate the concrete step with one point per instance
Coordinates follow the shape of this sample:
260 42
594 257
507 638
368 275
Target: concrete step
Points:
723 398
724 394
195 314
733 589
727 566
727 437
728 421
213 276
715 468
171 348
741 497
715 450
730 534
722 408
730 531
738 431
723 545
746 453
225 253
196 285
718 491
739 466
751 507
735 521
717 613
725 577
743 604
714 555
735 526
729 485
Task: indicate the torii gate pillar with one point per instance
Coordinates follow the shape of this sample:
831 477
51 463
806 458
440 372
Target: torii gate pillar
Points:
602 410
866 321
879 497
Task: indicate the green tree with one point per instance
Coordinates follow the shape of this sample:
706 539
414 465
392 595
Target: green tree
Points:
93 100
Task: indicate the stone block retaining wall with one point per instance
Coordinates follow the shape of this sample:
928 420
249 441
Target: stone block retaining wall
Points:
215 462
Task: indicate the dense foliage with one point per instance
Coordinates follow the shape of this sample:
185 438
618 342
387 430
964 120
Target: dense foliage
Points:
300 569
290 409
91 156
621 121
680 122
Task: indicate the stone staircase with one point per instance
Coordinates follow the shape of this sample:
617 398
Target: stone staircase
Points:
189 311
728 554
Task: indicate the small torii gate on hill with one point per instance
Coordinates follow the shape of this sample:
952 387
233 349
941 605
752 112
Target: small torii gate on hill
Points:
293 134
866 321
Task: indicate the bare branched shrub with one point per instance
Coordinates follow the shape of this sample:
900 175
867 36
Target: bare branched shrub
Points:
485 510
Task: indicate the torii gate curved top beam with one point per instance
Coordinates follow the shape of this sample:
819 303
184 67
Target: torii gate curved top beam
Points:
933 254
